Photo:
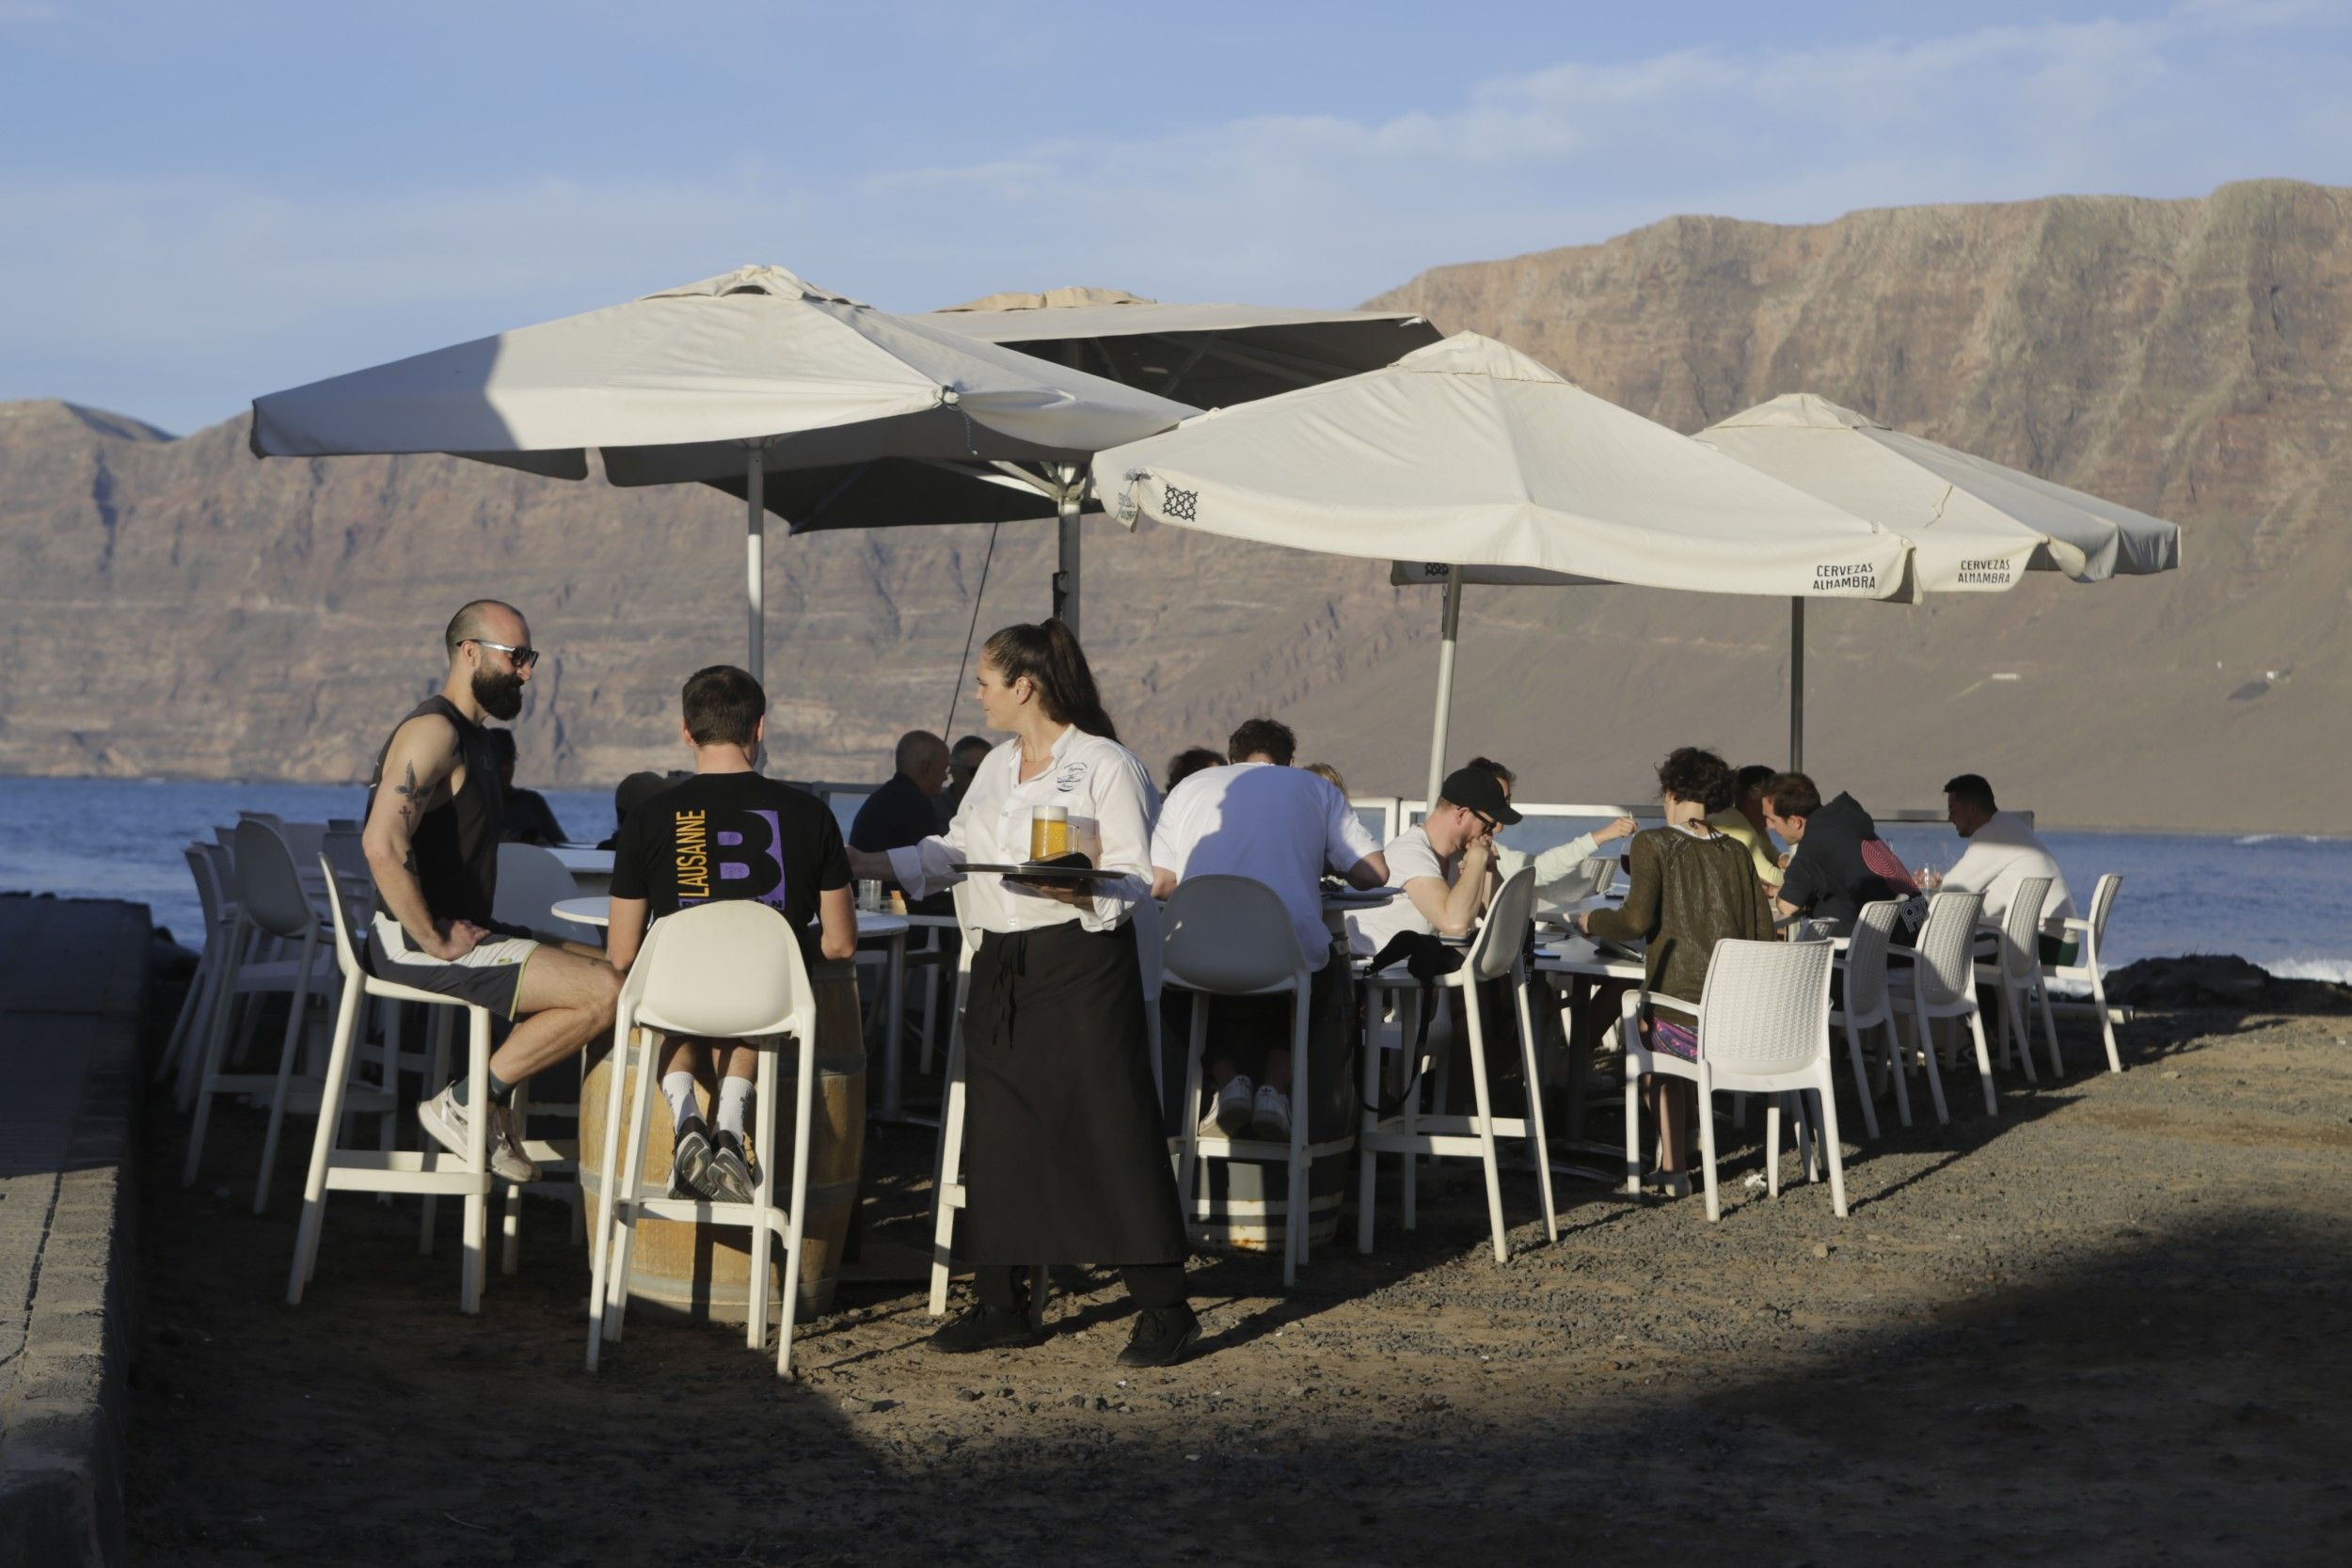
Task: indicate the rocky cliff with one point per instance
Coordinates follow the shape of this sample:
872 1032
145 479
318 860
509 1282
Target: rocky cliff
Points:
175 607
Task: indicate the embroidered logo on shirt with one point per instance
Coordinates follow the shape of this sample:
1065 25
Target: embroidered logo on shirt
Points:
1071 776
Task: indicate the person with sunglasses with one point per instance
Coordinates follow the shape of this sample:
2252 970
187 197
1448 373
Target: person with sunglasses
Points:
1441 864
433 816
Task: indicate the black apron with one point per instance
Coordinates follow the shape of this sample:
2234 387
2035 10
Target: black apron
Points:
1064 1160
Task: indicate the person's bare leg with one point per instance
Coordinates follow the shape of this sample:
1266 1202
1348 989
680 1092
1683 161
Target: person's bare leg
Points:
681 1054
1277 1069
1673 1106
564 1000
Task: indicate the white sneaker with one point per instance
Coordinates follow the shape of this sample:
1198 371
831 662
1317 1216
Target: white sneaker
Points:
1229 1115
1270 1117
449 1123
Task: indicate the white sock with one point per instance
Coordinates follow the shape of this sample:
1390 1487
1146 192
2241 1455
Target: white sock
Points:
735 1098
679 1089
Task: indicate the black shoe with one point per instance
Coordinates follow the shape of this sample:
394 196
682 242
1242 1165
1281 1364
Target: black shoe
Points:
1162 1336
689 1161
734 1171
985 1328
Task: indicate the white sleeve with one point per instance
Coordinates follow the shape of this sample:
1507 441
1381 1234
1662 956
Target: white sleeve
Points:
924 868
1123 815
1168 853
1346 841
1975 872
1558 861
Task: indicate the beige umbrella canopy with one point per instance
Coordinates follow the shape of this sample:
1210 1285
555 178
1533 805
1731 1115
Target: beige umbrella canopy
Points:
1469 454
1210 356
1974 525
722 380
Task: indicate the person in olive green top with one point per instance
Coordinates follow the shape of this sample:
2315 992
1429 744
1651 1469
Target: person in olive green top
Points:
1743 819
1692 886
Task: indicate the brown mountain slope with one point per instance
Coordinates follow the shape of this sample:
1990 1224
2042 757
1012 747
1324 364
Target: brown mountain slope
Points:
176 607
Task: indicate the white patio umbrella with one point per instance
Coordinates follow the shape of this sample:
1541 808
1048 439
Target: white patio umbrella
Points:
1468 454
1212 355
722 380
1973 525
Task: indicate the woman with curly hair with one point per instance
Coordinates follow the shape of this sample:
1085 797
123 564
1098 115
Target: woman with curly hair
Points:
1692 887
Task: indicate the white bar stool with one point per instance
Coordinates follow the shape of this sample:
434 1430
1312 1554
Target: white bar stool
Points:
1498 953
429 1170
1231 936
722 970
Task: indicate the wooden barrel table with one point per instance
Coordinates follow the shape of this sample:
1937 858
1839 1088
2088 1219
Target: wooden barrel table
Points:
1244 1203
704 1273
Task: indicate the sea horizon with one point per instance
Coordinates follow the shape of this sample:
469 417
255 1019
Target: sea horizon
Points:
2279 900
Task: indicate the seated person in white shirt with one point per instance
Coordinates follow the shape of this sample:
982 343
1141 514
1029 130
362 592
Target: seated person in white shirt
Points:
1441 864
1558 864
2002 852
1282 826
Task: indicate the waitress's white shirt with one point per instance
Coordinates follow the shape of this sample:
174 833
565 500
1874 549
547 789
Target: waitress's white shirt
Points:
1111 804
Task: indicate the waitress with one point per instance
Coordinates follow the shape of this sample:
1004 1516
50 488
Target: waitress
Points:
1065 1160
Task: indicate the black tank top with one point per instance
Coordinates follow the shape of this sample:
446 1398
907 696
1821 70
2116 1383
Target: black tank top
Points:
456 845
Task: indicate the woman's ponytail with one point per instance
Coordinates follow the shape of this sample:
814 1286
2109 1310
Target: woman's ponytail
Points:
1049 656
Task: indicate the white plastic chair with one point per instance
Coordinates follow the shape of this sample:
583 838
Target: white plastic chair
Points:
1496 953
1866 1008
2016 973
195 1008
728 971
1942 983
532 882
271 903
2085 970
1762 1023
431 1171
1231 936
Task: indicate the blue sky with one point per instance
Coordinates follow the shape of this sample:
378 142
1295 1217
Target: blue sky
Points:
202 202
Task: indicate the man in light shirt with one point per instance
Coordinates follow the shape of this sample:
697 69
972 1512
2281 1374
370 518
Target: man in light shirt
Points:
2002 852
1264 820
1562 863
1441 864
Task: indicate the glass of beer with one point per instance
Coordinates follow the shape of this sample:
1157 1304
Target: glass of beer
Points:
1049 833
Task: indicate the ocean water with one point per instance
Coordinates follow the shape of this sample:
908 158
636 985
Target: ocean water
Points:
2283 901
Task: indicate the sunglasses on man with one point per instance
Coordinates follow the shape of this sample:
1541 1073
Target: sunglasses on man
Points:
524 656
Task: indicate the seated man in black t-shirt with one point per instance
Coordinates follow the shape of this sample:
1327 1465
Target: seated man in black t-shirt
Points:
1836 860
726 833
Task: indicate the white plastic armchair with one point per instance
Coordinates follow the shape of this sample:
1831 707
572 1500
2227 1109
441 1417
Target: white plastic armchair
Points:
1762 1023
2016 970
1942 983
2084 970
1866 1008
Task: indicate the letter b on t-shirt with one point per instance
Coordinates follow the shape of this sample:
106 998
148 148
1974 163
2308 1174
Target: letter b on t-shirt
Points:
747 856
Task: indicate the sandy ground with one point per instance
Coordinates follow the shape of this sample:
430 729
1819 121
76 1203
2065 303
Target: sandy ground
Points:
2113 1325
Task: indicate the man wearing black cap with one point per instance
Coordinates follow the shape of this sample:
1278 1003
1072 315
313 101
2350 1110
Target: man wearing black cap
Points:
1441 864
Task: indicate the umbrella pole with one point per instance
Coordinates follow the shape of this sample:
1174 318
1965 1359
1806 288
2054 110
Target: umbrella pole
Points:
1796 686
1066 498
1449 631
755 561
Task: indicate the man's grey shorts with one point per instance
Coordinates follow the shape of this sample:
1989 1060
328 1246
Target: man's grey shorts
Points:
490 975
